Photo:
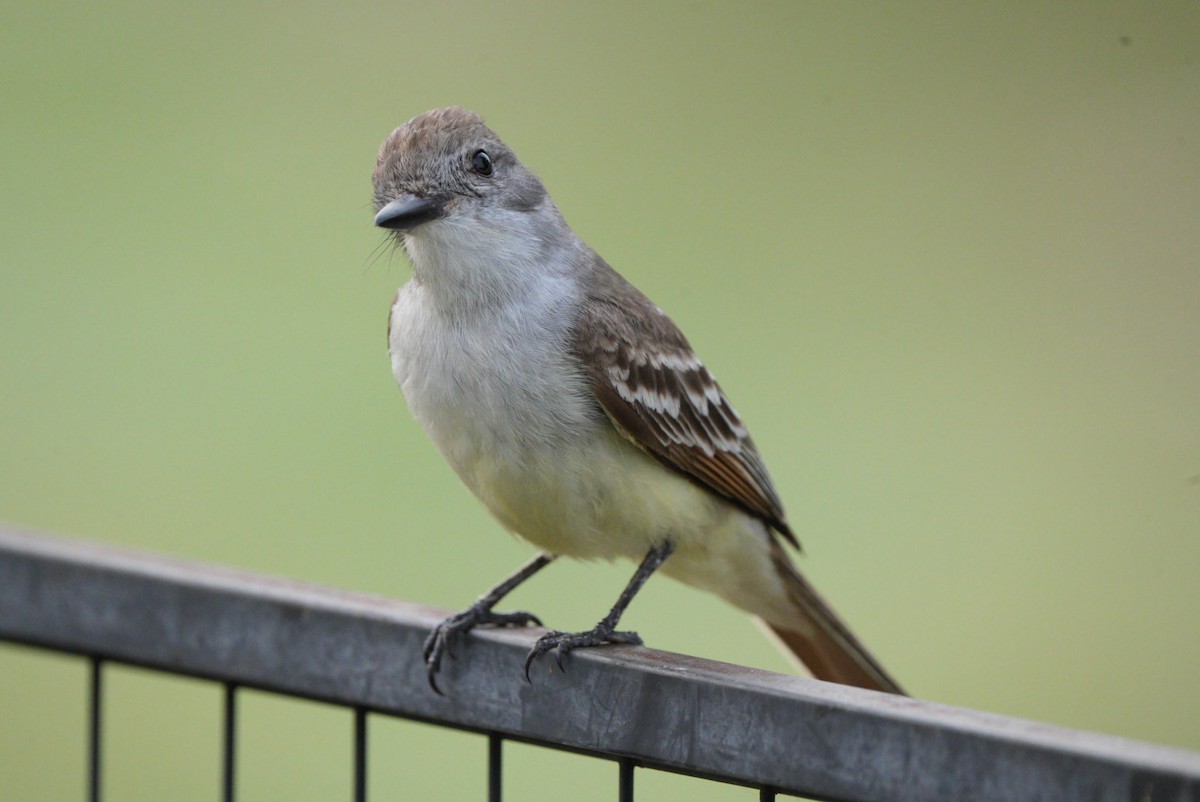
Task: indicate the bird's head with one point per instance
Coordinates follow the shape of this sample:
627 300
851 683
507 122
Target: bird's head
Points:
446 167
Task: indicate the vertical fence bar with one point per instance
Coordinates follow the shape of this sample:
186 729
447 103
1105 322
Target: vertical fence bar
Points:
95 691
360 754
495 766
229 743
625 780
766 794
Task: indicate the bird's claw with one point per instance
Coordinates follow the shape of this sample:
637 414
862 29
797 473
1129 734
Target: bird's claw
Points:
563 643
441 641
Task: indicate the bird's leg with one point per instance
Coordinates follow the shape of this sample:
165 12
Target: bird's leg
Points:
562 643
441 641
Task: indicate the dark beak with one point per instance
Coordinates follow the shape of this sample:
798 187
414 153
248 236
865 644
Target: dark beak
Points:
407 212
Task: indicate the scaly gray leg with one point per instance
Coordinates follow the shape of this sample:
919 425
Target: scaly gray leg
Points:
441 641
562 643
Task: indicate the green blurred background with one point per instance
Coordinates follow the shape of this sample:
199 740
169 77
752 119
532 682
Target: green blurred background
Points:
944 257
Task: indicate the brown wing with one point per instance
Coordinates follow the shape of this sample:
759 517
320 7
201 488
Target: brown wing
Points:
659 395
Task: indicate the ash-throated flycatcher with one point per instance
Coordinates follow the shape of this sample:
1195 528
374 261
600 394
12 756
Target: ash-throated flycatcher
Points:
573 407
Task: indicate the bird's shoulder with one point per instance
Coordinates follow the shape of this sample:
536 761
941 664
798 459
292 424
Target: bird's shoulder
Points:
658 394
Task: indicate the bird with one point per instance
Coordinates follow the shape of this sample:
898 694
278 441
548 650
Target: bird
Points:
573 408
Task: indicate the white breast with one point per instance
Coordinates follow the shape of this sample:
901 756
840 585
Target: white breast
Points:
492 377
494 388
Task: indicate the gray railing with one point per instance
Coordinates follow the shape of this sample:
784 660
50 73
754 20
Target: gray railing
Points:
639 707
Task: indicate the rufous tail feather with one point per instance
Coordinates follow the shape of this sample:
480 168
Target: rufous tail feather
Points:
824 644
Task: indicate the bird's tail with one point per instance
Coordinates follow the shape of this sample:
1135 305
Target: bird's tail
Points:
820 640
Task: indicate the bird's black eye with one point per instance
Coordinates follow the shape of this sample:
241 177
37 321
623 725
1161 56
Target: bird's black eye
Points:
481 162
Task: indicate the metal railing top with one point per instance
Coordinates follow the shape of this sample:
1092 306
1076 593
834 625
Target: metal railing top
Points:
660 709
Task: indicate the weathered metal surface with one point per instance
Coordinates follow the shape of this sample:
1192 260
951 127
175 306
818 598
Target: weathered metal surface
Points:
664 710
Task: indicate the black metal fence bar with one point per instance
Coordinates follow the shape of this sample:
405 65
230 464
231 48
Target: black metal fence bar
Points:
495 767
228 741
360 755
95 727
659 710
625 780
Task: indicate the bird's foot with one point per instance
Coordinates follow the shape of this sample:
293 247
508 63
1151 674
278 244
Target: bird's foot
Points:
441 641
563 643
